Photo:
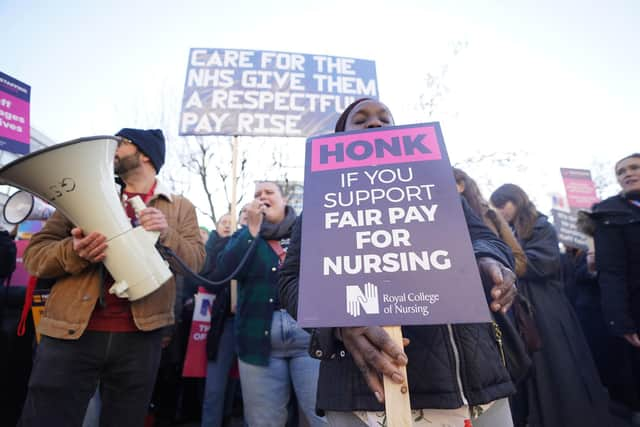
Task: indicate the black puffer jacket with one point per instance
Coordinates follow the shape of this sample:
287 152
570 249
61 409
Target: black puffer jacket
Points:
617 240
449 365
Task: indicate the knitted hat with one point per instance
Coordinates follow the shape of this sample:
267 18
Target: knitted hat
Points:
150 142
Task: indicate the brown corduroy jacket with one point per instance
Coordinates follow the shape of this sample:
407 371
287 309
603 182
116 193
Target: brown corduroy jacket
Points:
77 289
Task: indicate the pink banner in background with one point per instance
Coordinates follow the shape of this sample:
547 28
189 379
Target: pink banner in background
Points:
14 118
20 277
581 191
14 115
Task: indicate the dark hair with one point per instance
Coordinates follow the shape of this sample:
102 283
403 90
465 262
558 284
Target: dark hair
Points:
630 156
341 124
471 191
526 213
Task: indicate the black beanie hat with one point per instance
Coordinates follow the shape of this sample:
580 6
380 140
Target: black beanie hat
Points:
150 142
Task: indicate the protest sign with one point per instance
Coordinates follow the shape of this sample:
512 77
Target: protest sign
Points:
20 276
581 195
565 224
384 238
195 359
14 115
252 92
581 191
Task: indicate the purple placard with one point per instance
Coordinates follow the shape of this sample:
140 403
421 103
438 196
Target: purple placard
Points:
384 239
14 115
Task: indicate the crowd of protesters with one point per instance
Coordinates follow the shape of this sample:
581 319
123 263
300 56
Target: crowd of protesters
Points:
575 311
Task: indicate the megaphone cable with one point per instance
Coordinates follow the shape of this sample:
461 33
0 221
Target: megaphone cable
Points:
211 286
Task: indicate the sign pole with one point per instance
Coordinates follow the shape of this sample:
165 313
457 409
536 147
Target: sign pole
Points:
232 211
396 396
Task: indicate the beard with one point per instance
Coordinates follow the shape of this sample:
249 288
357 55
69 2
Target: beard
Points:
124 165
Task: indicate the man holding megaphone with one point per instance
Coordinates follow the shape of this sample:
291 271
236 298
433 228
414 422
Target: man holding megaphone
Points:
91 335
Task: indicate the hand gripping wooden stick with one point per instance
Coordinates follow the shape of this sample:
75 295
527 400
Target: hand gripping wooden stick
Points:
396 396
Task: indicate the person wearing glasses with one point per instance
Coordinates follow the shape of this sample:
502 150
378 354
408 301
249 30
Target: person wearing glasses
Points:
90 336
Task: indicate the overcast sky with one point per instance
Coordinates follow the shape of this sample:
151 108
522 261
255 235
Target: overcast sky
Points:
555 80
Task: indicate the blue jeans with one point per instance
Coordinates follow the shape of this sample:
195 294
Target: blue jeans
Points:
92 416
266 389
217 378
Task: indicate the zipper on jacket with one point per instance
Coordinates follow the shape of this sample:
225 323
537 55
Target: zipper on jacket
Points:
456 356
498 334
101 301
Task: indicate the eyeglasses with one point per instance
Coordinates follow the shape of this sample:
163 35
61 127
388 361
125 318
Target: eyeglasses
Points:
124 141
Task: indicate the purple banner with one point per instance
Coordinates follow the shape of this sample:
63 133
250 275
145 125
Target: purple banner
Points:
384 239
14 115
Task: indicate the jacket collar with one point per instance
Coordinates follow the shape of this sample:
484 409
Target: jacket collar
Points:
614 206
162 191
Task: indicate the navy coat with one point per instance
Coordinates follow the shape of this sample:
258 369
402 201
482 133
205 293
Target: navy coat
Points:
564 388
617 240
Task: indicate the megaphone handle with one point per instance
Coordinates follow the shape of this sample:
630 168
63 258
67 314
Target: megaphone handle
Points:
137 204
119 289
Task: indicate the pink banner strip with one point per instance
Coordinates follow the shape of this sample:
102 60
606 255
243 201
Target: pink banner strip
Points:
397 145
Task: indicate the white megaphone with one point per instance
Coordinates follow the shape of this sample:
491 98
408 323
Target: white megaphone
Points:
76 177
22 206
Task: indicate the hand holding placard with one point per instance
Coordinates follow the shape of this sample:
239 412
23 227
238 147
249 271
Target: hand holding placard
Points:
375 354
504 290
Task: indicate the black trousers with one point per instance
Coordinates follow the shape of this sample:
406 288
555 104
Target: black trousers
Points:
66 373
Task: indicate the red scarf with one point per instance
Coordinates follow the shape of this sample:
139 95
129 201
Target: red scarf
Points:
278 249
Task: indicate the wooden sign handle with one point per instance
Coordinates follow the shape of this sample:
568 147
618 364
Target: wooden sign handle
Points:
396 396
234 216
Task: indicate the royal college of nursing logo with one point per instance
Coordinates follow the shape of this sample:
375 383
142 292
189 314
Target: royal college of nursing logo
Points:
367 300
